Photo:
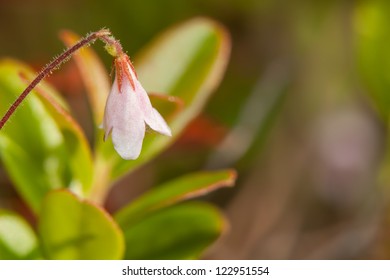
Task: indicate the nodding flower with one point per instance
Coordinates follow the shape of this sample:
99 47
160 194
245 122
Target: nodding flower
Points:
128 110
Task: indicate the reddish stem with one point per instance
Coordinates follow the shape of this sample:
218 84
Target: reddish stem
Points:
51 67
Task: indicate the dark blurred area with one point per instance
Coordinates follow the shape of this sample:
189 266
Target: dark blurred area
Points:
293 115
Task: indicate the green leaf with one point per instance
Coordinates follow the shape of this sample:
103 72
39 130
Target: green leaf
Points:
188 62
179 232
41 146
183 231
26 174
17 239
172 192
75 143
71 228
372 45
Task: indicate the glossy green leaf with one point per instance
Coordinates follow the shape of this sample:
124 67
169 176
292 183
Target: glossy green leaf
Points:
41 147
75 143
179 232
180 189
71 228
372 45
188 62
24 171
17 239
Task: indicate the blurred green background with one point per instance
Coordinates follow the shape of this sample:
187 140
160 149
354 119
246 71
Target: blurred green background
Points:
302 114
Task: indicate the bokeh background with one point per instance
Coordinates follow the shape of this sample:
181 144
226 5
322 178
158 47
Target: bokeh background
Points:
302 114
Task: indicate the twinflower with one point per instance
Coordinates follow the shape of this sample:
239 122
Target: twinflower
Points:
128 110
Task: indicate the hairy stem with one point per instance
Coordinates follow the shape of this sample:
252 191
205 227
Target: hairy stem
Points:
48 69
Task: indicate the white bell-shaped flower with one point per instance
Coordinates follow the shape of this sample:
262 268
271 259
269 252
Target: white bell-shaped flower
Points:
128 110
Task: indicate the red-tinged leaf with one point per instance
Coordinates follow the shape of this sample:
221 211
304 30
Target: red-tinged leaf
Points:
183 188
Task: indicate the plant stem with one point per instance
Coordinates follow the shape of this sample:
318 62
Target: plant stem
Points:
48 69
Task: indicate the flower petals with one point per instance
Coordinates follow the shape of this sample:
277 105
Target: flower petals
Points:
153 118
127 110
158 124
124 118
128 142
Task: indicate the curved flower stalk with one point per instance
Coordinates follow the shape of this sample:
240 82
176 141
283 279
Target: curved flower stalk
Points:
103 34
128 110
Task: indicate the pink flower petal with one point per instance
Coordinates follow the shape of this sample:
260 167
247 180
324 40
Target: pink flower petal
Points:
125 120
127 110
151 115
